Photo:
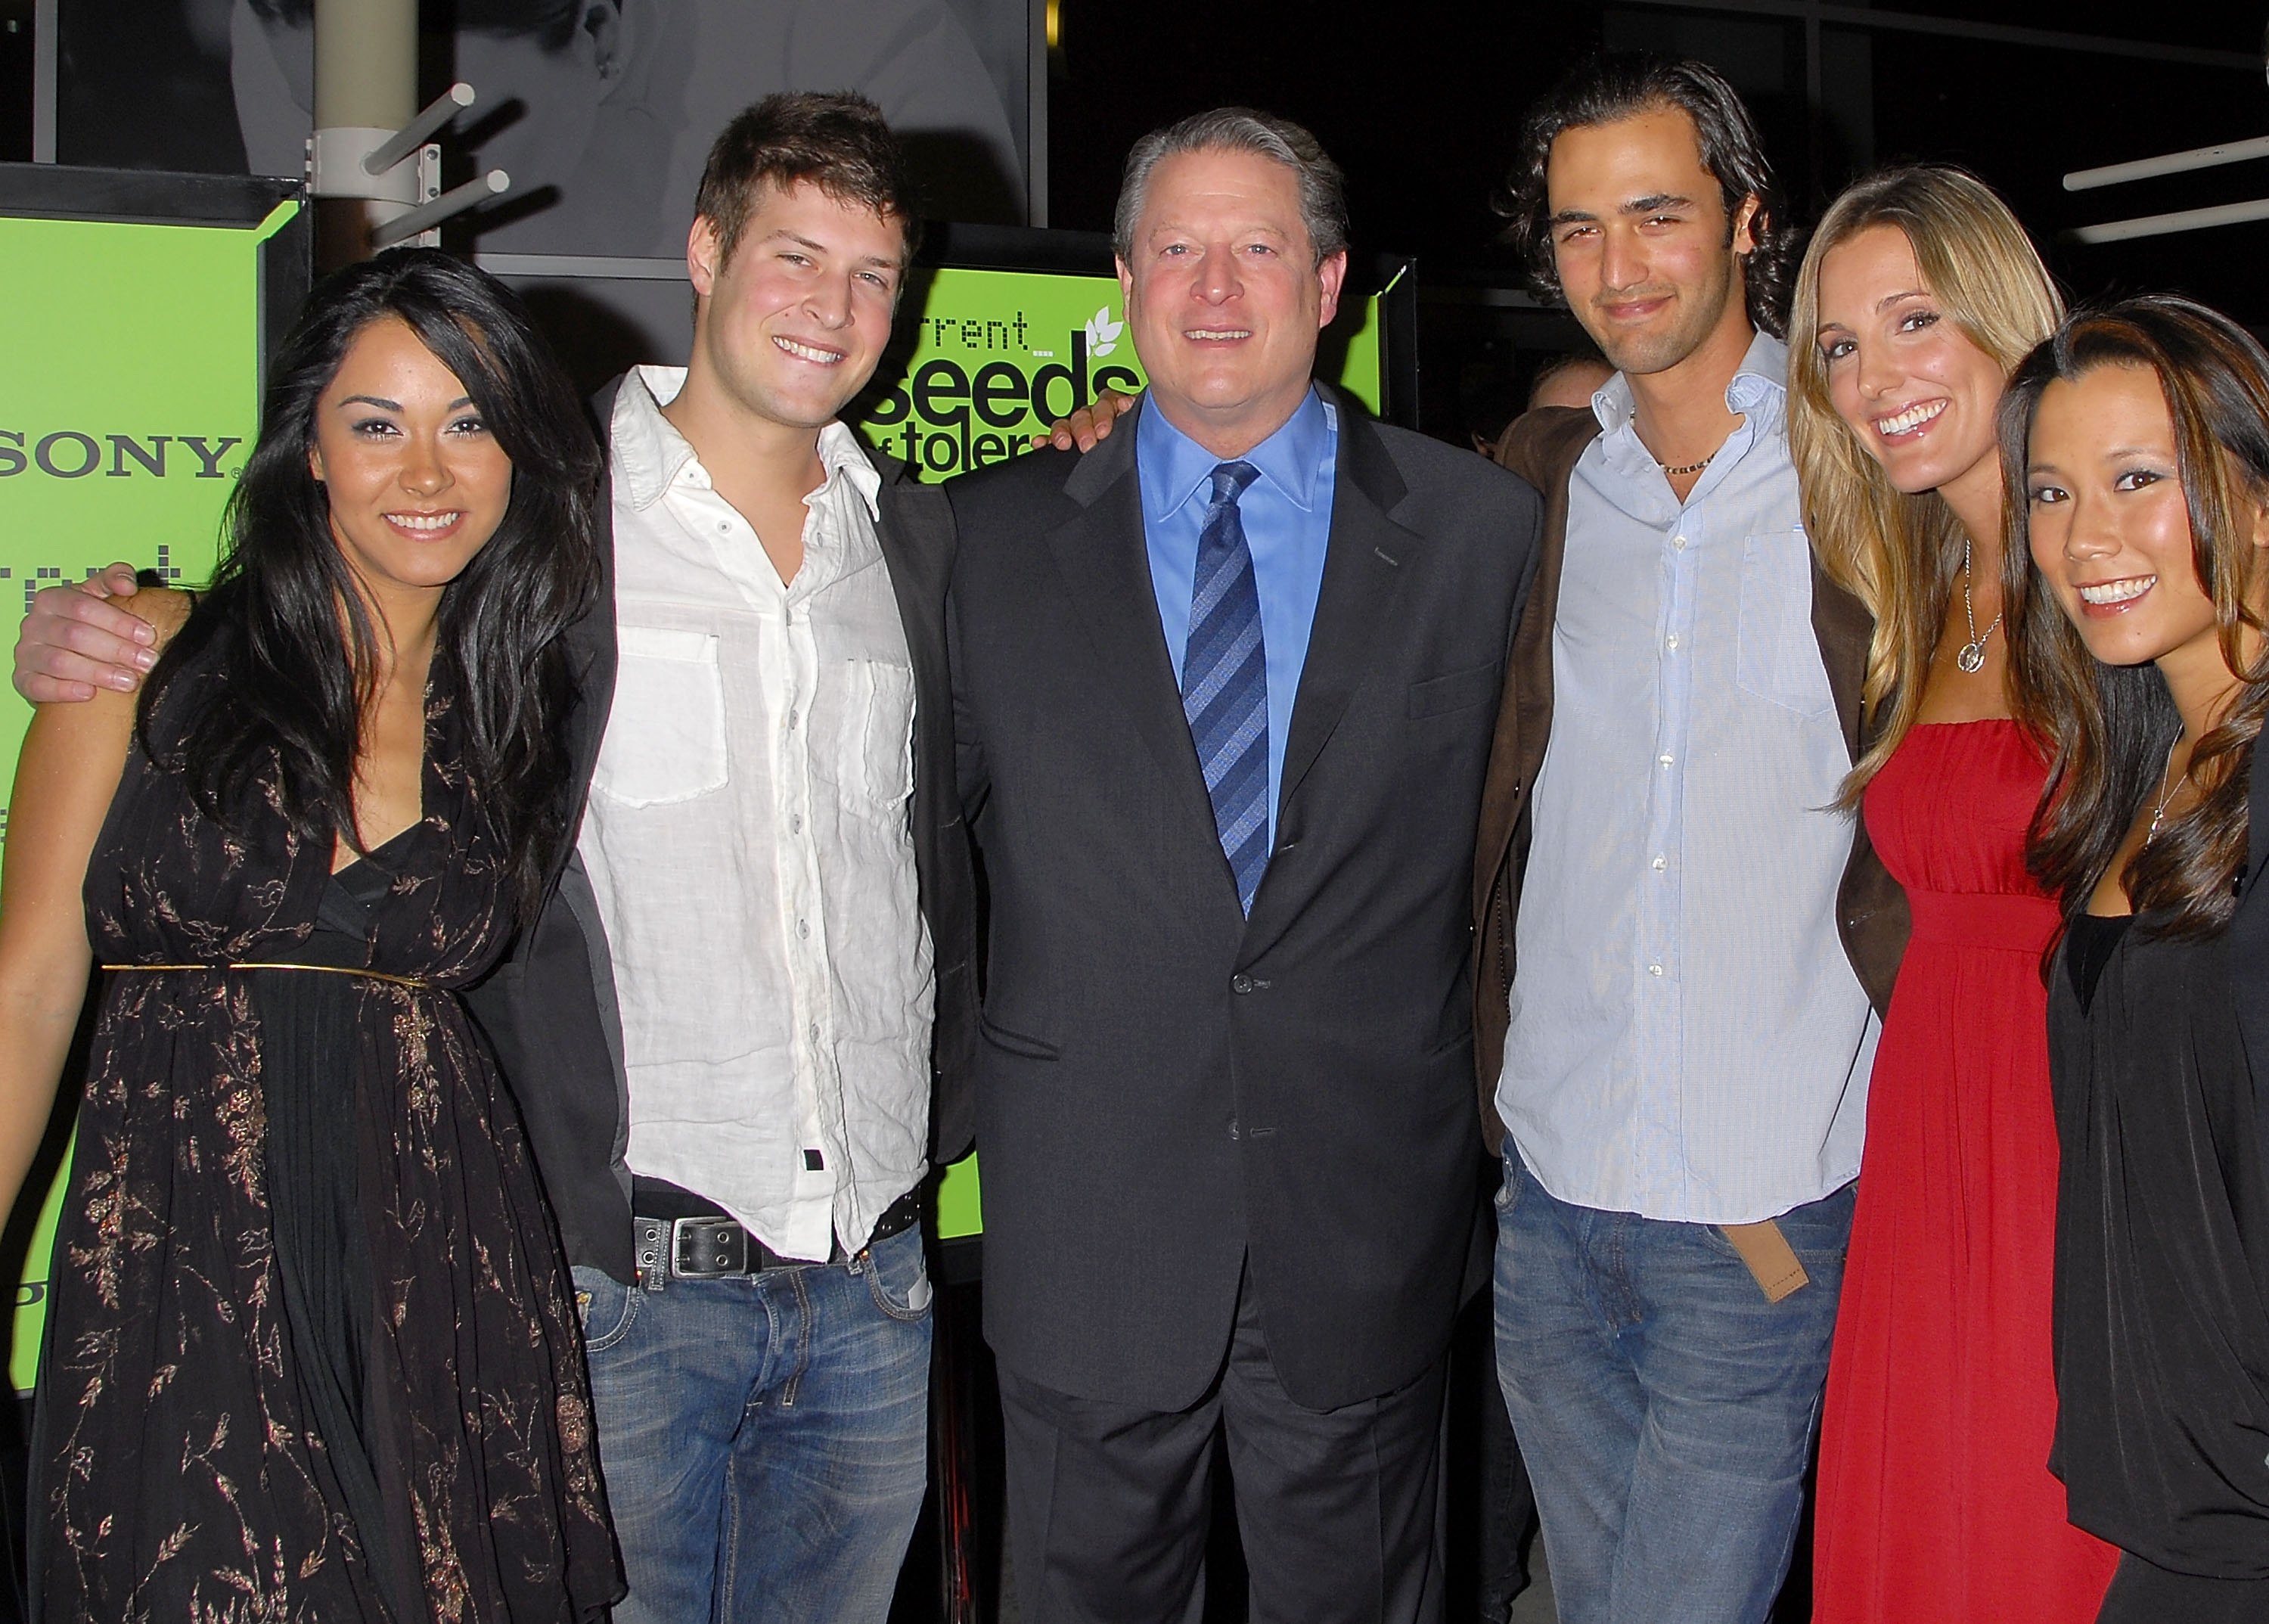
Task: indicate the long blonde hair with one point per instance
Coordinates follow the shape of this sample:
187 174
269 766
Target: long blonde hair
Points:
1899 553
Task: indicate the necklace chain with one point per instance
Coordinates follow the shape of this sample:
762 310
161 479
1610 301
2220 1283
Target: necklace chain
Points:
2166 789
1684 468
1972 657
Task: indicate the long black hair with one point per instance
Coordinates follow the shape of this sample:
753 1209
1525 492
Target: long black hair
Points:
1613 86
301 649
2114 724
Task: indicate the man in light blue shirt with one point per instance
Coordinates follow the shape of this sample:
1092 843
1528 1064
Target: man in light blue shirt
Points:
1686 1040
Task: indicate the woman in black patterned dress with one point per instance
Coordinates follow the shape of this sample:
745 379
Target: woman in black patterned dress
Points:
312 1348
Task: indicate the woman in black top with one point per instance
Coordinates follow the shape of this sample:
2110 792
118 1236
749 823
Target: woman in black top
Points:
2139 436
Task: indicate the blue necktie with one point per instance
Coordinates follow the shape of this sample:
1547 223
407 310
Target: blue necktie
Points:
1225 682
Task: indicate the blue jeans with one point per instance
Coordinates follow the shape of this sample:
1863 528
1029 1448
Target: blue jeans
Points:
1665 1408
763 1437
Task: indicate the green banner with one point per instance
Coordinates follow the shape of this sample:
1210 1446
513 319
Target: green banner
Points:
995 356
128 401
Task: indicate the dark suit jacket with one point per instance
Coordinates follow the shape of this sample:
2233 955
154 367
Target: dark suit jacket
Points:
550 1009
1171 1096
1871 910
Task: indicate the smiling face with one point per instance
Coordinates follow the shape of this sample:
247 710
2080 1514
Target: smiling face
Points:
1916 392
416 482
2111 525
791 325
1224 297
1640 238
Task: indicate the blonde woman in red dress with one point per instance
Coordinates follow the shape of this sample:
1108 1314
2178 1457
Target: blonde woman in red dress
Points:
1917 295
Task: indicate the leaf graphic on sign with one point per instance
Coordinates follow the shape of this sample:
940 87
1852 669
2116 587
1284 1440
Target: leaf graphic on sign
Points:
1103 333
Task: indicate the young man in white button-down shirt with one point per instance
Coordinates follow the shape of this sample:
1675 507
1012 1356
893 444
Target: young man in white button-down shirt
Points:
1686 1040
722 1030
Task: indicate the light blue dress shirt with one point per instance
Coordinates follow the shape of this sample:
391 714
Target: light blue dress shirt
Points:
1688 1041
1287 514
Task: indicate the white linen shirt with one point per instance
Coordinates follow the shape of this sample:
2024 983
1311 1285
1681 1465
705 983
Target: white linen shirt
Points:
1688 1041
748 837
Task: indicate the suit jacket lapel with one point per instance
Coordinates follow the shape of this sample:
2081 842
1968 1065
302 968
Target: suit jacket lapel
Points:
1102 556
1365 558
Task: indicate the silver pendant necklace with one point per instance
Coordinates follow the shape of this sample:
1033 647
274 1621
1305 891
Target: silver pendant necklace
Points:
2166 788
1972 657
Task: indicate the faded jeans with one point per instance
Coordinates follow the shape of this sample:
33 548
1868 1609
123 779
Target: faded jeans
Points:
1665 1408
764 1437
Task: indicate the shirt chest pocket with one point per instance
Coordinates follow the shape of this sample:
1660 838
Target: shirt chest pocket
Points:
1779 654
666 731
868 751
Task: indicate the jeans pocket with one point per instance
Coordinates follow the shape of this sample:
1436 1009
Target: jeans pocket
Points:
1508 1189
898 1276
605 1306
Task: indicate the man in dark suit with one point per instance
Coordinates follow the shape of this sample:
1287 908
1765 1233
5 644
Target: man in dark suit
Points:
1224 692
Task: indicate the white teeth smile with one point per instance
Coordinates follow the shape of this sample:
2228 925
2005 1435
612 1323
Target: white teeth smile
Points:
2118 590
809 352
1912 417
424 521
1225 332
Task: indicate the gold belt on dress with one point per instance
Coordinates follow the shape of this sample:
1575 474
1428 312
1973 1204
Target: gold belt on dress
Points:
326 969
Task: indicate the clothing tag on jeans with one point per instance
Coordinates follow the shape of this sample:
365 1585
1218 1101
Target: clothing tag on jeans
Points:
1771 1259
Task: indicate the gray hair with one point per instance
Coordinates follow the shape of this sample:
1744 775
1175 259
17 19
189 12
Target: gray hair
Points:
1323 191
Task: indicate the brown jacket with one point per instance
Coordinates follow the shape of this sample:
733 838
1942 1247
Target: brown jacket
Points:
1871 910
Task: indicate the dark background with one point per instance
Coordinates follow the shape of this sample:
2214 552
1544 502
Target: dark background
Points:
1422 104
1421 107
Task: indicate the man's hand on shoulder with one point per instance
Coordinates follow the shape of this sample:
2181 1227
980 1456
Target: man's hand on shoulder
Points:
76 640
1088 426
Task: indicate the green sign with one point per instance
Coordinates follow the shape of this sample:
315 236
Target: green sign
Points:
996 355
127 405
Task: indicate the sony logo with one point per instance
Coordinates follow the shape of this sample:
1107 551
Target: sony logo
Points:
68 454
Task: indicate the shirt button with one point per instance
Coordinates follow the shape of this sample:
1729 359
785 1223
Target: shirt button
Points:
1654 969
803 930
795 822
1665 760
1661 863
1679 542
791 726
1674 639
1240 983
812 1031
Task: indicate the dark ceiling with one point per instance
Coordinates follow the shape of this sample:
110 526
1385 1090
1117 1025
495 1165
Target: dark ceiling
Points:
1420 105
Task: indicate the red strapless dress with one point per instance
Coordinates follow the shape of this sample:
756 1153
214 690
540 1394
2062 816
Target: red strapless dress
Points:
1935 1501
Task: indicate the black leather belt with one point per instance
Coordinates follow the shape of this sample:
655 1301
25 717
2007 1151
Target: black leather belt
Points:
711 1247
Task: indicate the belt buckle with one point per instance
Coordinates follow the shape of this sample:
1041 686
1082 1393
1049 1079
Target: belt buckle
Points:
704 1248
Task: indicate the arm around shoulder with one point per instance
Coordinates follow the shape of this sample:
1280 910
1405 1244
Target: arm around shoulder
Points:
65 776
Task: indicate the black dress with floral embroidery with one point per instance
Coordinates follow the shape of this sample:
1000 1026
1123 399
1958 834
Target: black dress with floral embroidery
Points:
312 1350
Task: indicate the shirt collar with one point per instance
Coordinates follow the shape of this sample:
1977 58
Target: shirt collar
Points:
1760 379
1174 465
1759 389
649 455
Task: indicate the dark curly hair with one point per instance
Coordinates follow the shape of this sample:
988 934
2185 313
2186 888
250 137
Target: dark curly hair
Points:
1620 85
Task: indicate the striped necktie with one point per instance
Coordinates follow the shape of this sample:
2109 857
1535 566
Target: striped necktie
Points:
1225 682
